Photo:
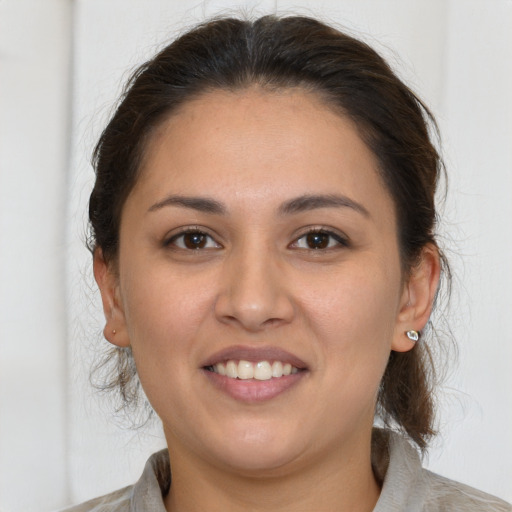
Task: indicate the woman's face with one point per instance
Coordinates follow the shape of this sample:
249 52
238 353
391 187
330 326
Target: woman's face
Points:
260 236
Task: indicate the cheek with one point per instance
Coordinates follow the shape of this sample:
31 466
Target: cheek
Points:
163 316
354 324
164 311
354 303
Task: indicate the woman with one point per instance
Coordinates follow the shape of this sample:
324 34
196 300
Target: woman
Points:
263 239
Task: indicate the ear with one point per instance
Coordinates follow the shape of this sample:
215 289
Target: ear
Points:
417 298
108 282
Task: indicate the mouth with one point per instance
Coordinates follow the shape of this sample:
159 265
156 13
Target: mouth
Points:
254 375
245 370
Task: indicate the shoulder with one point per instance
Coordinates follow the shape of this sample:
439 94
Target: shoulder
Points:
445 494
117 501
146 494
407 486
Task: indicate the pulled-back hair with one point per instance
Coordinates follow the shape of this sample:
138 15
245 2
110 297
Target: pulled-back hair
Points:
351 78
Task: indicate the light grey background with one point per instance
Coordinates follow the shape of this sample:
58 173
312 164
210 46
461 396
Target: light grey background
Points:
62 64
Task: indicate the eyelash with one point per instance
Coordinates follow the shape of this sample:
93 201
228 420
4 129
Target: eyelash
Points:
191 231
340 241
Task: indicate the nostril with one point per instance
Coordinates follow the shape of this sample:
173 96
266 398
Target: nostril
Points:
272 322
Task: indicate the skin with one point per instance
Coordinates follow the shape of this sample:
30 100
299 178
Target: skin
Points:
260 282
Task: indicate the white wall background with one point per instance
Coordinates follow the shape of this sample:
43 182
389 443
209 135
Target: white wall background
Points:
62 64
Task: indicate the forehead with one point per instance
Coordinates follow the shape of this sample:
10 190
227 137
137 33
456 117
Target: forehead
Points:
259 145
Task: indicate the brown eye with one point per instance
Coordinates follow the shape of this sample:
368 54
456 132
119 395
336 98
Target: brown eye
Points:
317 240
193 241
320 240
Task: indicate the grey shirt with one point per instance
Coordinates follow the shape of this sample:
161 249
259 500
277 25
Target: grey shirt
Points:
406 486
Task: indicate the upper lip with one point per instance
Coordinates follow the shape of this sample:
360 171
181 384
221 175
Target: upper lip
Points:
254 355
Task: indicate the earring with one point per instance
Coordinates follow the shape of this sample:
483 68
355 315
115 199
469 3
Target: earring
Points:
113 331
413 335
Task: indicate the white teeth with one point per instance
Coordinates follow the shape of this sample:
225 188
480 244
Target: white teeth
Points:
261 370
232 369
245 370
220 368
277 369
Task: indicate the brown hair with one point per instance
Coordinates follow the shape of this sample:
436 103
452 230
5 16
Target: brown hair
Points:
276 53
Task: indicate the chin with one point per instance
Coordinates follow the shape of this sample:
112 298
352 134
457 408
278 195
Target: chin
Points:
258 452
261 463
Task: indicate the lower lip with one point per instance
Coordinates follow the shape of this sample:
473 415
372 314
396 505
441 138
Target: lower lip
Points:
252 390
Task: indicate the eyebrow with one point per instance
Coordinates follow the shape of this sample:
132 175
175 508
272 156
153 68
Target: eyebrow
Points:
202 204
297 205
313 202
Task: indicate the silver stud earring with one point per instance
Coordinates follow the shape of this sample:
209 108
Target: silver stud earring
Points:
113 331
413 335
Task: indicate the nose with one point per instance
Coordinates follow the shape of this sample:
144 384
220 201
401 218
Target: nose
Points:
254 293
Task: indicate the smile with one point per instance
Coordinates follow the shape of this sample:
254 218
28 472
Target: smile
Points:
254 374
245 370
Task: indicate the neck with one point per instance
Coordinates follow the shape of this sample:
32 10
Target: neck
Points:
339 481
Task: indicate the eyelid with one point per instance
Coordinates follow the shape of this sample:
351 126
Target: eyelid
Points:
185 230
341 239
